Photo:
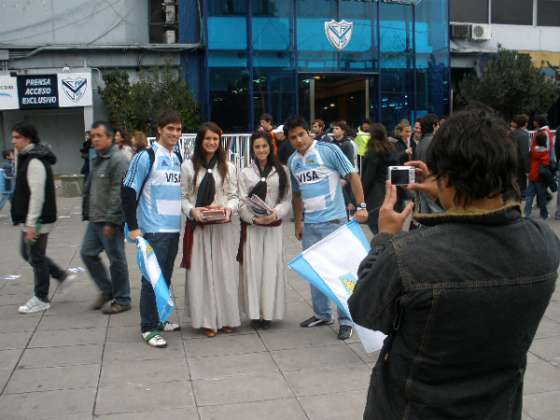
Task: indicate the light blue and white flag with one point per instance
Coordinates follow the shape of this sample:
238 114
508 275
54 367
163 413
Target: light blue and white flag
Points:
331 265
150 269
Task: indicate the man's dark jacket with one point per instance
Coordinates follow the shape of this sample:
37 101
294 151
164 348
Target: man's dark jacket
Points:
460 302
22 193
522 140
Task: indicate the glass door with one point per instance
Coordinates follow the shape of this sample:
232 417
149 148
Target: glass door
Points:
334 97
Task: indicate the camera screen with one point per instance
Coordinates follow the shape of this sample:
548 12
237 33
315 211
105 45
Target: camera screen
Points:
400 176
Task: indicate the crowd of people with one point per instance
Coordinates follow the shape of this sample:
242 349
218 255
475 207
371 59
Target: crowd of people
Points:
234 256
459 297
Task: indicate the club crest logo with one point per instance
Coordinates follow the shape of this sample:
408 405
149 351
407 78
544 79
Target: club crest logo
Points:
74 89
339 34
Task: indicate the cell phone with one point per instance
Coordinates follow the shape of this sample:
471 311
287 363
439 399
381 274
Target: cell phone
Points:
401 175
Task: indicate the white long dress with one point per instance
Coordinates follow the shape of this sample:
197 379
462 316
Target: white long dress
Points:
263 271
212 282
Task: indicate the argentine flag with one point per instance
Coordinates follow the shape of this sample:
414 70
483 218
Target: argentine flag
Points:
331 265
150 269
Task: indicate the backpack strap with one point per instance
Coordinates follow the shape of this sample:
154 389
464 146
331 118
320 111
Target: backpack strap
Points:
179 156
152 156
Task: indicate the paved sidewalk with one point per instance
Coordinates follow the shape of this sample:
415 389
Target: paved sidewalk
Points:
74 363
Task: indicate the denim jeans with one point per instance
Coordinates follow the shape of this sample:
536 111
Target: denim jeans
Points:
165 246
312 233
117 285
557 213
43 266
4 198
536 189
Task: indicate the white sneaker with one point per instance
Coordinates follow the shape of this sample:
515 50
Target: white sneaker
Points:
168 327
34 305
68 281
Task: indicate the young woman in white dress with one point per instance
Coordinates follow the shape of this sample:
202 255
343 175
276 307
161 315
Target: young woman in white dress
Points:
261 251
209 182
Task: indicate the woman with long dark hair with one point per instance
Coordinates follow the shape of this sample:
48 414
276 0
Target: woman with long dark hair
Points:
122 140
380 154
261 251
209 200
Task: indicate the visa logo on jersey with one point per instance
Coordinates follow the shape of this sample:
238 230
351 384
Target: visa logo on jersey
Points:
173 177
307 177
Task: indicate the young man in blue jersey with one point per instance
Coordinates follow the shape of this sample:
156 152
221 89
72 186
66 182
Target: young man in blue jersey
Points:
151 196
316 169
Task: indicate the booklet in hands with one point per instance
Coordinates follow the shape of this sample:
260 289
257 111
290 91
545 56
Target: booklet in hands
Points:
257 206
214 215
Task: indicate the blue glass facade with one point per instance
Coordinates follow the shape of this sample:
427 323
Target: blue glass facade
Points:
275 56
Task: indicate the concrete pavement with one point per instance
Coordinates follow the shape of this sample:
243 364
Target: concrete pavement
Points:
74 363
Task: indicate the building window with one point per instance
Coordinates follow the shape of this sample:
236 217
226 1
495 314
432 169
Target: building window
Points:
227 7
157 22
512 12
229 98
271 25
475 11
548 13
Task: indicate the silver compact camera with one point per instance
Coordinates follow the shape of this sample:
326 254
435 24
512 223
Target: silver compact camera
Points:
401 175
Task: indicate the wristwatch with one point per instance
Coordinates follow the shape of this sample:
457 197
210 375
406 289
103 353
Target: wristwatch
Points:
362 206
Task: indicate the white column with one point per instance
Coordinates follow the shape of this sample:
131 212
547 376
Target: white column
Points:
88 117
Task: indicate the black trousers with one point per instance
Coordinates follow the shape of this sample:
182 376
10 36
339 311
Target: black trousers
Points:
43 266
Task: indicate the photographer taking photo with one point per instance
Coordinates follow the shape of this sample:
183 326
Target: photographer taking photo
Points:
460 300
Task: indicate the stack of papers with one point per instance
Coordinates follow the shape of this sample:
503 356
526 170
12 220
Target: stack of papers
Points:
257 206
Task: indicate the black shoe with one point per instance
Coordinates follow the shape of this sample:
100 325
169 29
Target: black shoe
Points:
255 324
101 300
115 308
345 332
265 324
315 322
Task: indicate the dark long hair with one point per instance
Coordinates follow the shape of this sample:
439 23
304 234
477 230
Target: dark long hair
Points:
379 142
272 161
199 159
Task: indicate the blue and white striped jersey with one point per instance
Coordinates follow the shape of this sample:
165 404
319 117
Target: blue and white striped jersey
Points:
316 175
159 208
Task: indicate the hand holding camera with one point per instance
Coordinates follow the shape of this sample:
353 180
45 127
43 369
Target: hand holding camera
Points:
423 181
391 221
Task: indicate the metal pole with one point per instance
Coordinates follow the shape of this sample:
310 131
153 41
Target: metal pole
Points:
378 6
312 99
205 70
250 67
414 87
366 85
295 56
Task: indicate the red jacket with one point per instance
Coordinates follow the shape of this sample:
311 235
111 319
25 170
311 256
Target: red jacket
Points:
537 158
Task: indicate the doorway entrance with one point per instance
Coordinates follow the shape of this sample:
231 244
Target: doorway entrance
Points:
334 97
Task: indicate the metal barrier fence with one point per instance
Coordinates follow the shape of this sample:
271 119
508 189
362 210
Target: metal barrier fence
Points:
236 145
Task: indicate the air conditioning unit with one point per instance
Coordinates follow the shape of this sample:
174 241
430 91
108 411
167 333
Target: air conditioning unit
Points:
481 32
460 31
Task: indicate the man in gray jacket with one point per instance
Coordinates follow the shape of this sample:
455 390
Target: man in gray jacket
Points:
102 208
522 139
429 124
